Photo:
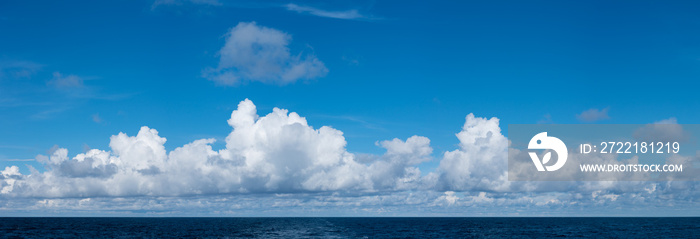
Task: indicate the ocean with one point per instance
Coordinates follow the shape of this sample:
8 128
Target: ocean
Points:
353 227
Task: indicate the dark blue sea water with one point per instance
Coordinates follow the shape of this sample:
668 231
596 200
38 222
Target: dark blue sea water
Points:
349 227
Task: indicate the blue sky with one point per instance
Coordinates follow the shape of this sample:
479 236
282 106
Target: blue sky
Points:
72 74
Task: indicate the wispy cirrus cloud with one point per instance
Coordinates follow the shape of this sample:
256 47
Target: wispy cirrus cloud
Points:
593 115
96 118
158 3
350 10
18 69
546 119
66 82
347 14
26 84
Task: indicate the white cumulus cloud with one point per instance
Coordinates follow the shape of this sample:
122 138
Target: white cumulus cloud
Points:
296 166
480 163
258 53
275 153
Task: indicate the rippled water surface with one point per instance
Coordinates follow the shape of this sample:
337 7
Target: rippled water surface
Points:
350 227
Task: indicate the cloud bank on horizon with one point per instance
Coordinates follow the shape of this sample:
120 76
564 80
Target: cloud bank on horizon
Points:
278 161
278 164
